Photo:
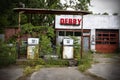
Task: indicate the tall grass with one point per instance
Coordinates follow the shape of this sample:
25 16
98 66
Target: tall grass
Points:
85 62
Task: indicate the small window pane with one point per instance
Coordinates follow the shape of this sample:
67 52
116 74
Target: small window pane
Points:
77 33
61 33
69 33
112 35
112 42
105 34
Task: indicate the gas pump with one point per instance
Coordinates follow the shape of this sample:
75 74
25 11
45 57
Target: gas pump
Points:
68 48
33 49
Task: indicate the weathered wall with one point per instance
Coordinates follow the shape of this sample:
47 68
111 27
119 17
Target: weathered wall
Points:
101 22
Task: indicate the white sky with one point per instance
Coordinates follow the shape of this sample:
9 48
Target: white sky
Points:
102 6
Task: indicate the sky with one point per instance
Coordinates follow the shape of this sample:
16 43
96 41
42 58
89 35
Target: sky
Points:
102 6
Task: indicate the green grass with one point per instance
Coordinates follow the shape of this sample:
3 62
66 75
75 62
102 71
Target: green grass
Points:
109 55
85 62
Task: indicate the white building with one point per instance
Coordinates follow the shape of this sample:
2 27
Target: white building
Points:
100 32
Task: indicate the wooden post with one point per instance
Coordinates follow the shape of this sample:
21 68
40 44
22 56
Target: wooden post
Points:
81 50
19 19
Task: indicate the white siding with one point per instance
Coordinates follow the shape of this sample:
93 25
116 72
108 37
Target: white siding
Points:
101 22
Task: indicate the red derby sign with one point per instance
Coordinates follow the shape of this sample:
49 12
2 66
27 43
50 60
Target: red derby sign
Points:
68 22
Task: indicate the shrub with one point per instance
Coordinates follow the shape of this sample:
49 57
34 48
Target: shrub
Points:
59 50
76 47
45 45
85 62
57 62
37 67
84 67
28 70
7 54
35 62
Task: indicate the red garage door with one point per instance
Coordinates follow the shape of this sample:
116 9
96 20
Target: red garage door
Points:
107 41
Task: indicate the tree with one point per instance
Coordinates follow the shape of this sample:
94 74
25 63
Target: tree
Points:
82 5
43 19
105 13
77 4
9 18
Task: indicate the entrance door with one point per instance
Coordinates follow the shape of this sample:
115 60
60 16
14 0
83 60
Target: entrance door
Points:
85 43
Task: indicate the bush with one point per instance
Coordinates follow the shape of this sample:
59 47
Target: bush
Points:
84 67
28 70
85 62
45 45
59 51
37 67
57 62
35 62
7 54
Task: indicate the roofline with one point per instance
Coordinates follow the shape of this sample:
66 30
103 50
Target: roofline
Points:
49 11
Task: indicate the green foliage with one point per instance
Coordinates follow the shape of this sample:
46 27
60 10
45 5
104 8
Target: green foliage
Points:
35 62
84 67
37 31
7 54
57 62
28 70
80 4
76 47
85 62
45 45
44 33
36 52
83 4
27 28
59 50
8 17
37 67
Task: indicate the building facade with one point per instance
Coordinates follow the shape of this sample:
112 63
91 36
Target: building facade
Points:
101 33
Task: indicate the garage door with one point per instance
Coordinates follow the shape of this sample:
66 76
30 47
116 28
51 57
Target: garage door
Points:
107 41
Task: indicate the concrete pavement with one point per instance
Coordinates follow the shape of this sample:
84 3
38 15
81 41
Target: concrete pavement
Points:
66 73
11 73
107 68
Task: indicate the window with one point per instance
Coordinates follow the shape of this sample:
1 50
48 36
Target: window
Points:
61 33
77 33
107 37
69 33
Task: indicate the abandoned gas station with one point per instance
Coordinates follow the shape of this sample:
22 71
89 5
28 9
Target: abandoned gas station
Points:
99 33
